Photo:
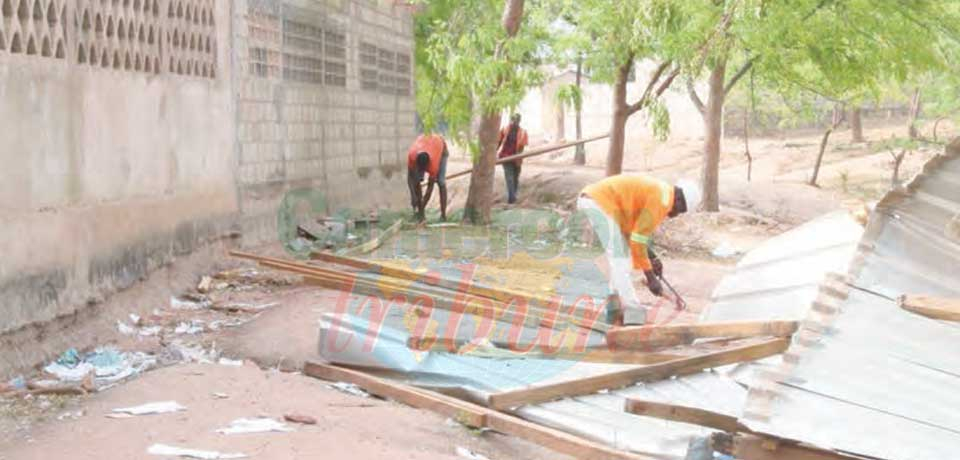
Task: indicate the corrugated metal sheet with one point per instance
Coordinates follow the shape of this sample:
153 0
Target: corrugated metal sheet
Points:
863 375
780 278
599 417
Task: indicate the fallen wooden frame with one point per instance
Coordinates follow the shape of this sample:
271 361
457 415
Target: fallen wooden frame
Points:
469 414
590 355
590 385
382 286
471 287
684 414
658 336
940 308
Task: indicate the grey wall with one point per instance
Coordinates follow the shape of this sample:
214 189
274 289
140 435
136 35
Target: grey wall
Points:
134 132
326 102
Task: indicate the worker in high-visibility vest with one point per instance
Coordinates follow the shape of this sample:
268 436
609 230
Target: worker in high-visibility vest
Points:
624 211
428 155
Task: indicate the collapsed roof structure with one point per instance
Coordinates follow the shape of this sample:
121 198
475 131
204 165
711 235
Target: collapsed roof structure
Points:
862 362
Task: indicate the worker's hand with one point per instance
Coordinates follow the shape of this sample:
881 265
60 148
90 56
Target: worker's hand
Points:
653 284
657 267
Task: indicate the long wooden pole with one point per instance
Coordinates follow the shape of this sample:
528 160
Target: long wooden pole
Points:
536 152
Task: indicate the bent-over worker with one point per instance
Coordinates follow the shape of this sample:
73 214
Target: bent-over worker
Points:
624 211
428 155
513 139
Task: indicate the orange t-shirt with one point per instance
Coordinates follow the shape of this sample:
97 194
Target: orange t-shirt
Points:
434 145
638 204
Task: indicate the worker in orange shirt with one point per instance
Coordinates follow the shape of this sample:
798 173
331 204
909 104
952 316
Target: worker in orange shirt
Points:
427 155
624 211
513 139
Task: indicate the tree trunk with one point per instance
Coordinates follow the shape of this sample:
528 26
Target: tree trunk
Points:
580 158
823 149
561 122
897 161
915 107
618 130
746 142
480 195
856 125
713 128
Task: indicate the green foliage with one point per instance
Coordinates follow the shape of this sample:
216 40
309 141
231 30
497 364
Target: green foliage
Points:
465 66
570 96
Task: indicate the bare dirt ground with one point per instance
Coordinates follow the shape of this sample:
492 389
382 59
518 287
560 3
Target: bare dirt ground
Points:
272 323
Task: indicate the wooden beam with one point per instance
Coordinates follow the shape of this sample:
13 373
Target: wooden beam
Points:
535 152
590 355
678 413
375 243
646 337
749 447
590 385
932 307
470 414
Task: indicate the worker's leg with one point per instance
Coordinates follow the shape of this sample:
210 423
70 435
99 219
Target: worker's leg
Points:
516 180
509 174
616 249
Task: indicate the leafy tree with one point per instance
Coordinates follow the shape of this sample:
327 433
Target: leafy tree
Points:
837 49
475 60
613 37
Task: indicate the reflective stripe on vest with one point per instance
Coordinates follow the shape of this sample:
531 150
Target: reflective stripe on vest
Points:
639 238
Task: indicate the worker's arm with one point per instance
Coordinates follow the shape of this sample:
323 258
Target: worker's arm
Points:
640 241
414 186
426 199
654 261
443 201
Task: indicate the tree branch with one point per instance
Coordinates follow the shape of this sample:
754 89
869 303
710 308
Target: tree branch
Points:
651 83
740 73
697 102
512 14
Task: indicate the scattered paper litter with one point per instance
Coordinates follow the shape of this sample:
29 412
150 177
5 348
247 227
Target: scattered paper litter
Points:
220 395
469 454
150 331
184 304
152 408
230 362
191 328
171 451
125 328
255 425
350 388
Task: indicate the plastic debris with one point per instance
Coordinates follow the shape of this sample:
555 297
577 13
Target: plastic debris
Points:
188 304
150 331
300 418
69 358
163 407
725 251
172 451
191 328
125 328
230 362
469 454
205 284
18 383
255 425
220 395
350 388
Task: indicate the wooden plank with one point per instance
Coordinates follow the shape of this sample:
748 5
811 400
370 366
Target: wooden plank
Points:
749 447
375 243
646 337
590 385
590 355
456 409
470 414
685 414
941 308
535 152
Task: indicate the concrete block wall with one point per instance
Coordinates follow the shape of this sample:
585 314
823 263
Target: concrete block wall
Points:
134 133
117 145
326 103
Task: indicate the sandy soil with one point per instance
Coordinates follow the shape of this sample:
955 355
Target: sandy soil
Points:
348 426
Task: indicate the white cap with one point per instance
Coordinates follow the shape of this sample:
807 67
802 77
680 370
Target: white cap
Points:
692 193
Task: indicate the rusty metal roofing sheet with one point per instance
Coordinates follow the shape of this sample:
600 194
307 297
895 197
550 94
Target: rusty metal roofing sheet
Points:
863 375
